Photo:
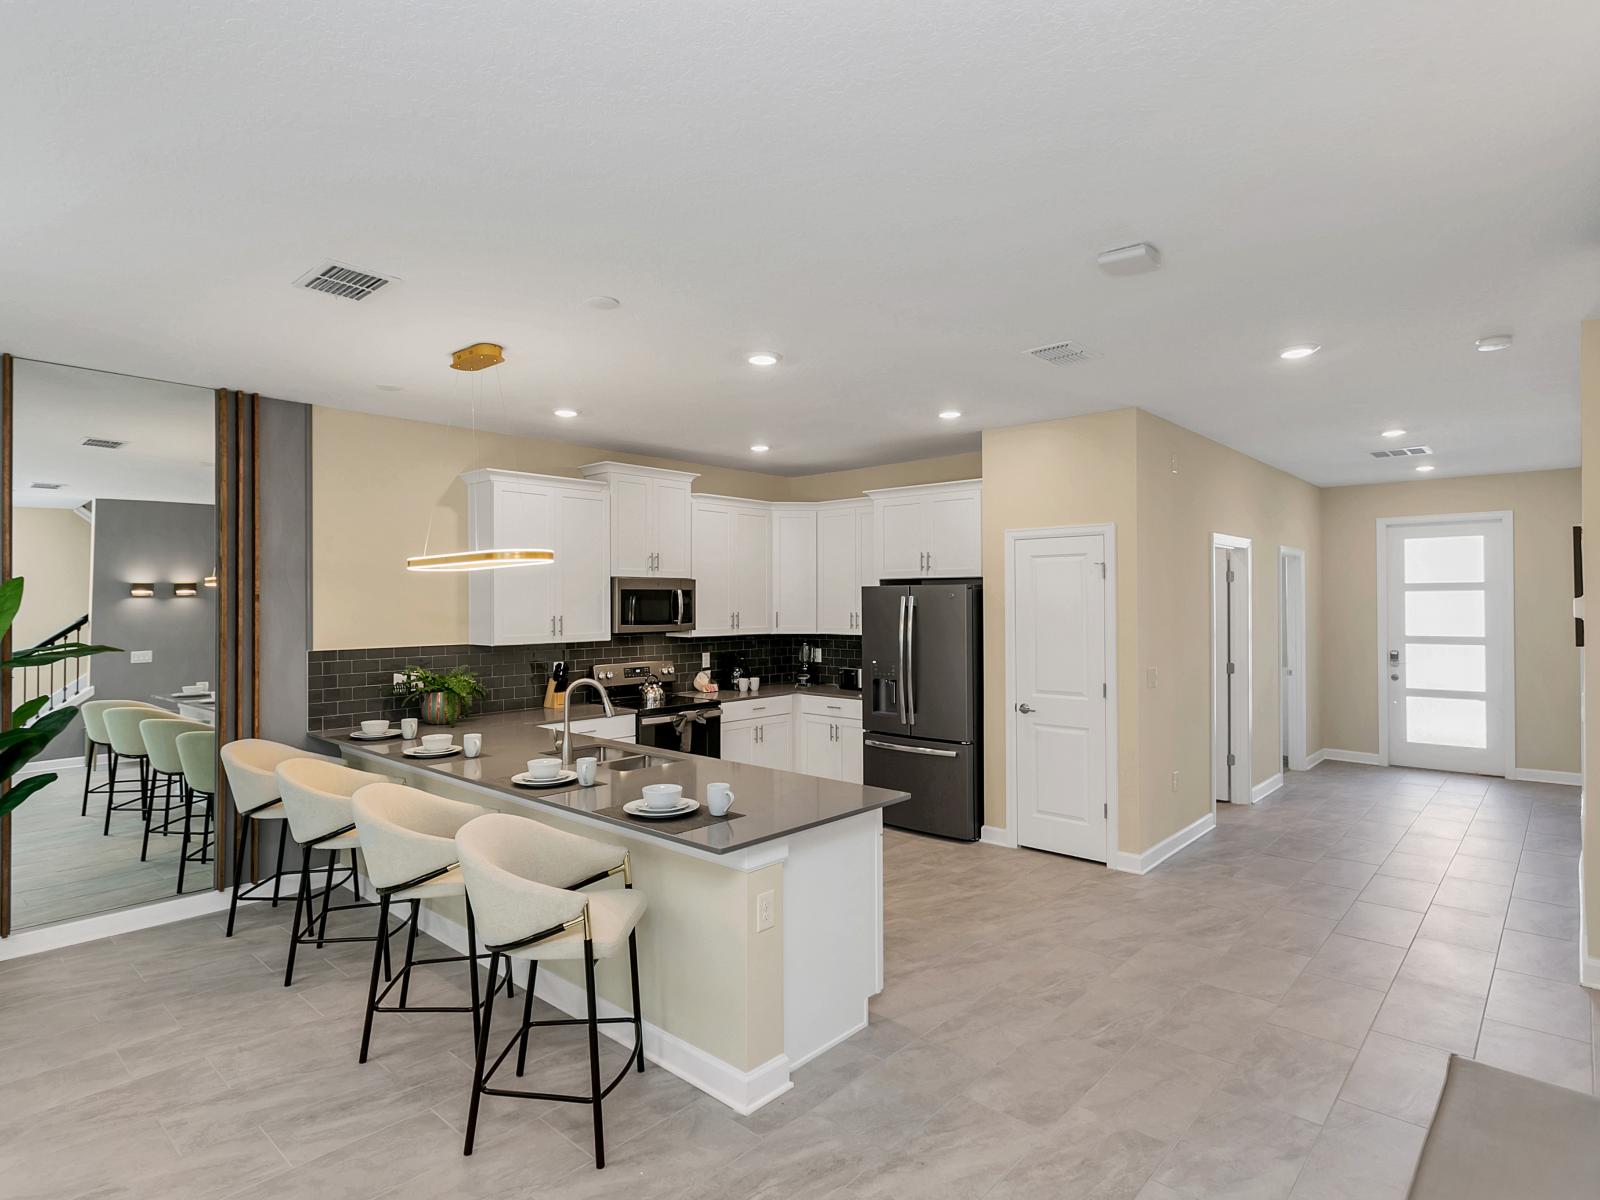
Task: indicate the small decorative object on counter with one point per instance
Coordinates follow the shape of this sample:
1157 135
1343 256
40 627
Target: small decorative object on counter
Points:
443 696
704 683
555 690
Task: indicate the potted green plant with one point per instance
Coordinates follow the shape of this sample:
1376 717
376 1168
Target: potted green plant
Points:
30 731
442 695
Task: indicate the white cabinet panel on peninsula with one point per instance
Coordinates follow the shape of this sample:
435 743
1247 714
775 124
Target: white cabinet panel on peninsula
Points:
930 532
566 601
732 566
649 518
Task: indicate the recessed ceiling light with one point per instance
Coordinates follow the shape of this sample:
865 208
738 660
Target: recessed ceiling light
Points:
1498 341
760 448
1394 433
950 414
566 413
603 302
1294 352
1425 468
764 358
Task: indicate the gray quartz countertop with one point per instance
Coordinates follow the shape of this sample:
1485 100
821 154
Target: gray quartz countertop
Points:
769 804
769 690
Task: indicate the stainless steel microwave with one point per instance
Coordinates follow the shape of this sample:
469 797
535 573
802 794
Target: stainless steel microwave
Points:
652 605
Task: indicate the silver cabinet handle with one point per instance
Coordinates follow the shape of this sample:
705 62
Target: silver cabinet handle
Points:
1024 708
738 620
732 624
928 750
835 707
563 629
552 627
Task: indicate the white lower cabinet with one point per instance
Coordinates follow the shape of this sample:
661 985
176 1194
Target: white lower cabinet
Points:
760 741
830 738
814 735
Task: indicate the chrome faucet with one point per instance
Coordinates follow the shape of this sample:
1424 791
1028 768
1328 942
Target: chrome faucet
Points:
566 715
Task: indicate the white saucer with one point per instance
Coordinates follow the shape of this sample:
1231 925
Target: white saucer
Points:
419 752
358 736
526 780
638 808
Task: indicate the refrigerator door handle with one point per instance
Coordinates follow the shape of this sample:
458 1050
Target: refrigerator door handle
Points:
911 678
928 750
900 650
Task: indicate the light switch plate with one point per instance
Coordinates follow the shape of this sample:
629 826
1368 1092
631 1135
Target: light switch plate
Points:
705 658
141 656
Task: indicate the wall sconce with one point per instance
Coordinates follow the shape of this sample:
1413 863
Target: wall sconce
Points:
210 581
185 589
141 591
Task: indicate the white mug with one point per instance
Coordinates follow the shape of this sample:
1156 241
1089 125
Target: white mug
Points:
408 728
586 770
755 683
472 744
744 683
719 798
544 768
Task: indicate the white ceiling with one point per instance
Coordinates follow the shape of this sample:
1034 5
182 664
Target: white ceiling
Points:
899 197
168 430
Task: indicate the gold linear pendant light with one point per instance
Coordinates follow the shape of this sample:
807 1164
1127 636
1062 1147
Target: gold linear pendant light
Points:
477 357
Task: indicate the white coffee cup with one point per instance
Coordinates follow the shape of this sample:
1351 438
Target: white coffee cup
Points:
374 728
408 728
544 768
203 684
472 744
719 798
744 683
586 771
663 795
437 741
755 683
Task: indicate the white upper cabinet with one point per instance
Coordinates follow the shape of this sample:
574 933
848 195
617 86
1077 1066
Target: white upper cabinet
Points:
844 553
934 531
568 600
732 566
650 519
794 568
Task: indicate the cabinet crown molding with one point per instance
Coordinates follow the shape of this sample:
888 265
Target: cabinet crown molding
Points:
611 467
926 488
500 475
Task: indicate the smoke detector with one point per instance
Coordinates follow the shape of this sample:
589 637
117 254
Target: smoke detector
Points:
1403 452
104 443
344 281
1063 353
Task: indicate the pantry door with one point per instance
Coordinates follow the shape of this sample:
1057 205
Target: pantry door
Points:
1447 642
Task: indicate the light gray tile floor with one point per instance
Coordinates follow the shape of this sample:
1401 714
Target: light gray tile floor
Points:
1267 1014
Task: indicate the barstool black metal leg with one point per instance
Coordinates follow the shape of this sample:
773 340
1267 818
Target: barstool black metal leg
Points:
183 850
411 950
111 789
472 969
144 849
238 870
147 791
88 776
327 899
377 962
355 875
166 812
277 878
300 903
527 1016
638 1018
594 1057
483 1053
206 842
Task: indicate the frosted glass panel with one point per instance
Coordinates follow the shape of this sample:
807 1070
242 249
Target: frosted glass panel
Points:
1440 721
1444 614
1444 559
1446 668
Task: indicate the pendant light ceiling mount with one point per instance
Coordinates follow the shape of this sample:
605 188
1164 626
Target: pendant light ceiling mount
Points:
478 356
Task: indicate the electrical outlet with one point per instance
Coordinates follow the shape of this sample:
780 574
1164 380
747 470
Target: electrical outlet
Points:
142 656
1174 781
816 655
398 677
766 917
1150 677
705 659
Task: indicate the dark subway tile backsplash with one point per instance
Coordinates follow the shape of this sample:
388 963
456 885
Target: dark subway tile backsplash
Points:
348 686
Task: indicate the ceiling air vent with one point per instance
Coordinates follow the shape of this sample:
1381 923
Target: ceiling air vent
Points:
340 279
1403 452
1063 353
104 443
48 487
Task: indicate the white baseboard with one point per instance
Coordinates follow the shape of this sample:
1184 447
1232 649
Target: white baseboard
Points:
1313 760
44 766
1535 775
994 835
1265 788
742 1091
1139 864
1328 754
24 942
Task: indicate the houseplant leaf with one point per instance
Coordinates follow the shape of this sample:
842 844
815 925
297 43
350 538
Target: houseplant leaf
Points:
28 711
21 790
10 601
43 656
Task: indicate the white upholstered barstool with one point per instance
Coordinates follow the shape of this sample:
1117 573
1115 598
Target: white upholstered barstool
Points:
317 798
96 739
127 743
197 755
506 860
160 737
408 842
251 765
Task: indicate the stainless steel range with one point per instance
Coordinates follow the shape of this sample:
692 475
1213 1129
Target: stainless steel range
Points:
666 717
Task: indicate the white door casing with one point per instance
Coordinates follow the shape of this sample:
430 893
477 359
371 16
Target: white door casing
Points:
1231 691
1292 650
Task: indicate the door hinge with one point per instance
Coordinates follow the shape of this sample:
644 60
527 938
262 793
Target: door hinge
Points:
1230 760
1105 811
1230 668
1230 574
1102 567
1104 693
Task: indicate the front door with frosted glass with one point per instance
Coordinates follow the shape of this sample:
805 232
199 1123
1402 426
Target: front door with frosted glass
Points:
1448 618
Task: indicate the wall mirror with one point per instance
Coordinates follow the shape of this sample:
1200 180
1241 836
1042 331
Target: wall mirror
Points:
112 481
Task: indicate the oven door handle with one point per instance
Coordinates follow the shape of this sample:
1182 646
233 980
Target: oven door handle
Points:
706 714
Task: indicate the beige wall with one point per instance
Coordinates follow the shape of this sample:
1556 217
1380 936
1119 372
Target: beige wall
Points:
1589 375
1189 488
1079 471
1545 505
50 549
377 482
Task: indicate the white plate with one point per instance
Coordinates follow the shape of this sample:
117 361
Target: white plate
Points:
526 780
358 736
638 808
419 752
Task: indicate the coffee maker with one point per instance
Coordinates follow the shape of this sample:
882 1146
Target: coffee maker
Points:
727 666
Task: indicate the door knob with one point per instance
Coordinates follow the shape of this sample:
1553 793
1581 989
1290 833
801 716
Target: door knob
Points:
1024 708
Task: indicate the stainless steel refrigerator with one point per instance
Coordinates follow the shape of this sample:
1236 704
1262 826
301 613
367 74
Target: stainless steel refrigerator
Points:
922 703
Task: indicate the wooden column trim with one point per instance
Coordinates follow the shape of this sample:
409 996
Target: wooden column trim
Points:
6 397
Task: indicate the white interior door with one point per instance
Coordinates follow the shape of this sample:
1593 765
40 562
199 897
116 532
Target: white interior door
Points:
1057 593
1230 669
1292 659
1447 658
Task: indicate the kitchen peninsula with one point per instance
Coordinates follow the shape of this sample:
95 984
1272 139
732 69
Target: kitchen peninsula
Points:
765 929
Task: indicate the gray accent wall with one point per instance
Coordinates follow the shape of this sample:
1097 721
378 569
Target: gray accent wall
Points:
285 541
160 543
